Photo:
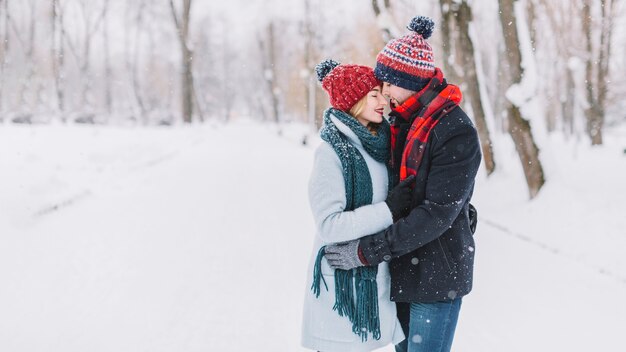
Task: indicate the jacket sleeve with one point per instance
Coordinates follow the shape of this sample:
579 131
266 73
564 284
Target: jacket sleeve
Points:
327 197
454 164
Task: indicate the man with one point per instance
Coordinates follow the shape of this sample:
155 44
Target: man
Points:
431 249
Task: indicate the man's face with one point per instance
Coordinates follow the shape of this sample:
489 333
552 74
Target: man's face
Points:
395 94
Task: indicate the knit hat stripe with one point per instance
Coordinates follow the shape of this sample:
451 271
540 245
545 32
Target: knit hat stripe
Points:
410 72
400 78
389 58
420 52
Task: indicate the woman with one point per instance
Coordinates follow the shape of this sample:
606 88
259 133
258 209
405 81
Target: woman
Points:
351 310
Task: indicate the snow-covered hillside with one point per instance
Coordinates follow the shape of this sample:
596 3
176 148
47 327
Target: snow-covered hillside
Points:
197 239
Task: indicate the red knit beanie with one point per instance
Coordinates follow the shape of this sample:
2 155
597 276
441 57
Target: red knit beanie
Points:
345 84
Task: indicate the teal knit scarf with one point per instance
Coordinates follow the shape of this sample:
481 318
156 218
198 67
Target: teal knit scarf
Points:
362 310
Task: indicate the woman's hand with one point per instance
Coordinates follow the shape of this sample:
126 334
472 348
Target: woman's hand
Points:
344 255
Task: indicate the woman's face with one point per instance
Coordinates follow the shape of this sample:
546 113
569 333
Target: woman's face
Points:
374 106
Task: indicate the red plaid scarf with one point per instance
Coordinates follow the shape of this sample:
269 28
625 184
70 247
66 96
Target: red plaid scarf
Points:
428 106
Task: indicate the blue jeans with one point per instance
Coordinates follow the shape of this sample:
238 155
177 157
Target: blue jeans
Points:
429 327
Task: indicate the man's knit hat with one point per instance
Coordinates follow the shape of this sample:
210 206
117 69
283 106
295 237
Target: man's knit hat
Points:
345 84
408 62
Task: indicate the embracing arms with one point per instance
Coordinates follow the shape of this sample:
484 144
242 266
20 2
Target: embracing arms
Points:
454 164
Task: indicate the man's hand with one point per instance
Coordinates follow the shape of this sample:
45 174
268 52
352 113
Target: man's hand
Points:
344 255
399 198
473 217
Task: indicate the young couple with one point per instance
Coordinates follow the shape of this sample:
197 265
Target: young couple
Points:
393 255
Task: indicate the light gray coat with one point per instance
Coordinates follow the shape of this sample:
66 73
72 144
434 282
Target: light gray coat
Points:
322 328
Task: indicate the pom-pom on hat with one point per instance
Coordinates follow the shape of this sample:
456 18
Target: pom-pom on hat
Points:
408 62
345 84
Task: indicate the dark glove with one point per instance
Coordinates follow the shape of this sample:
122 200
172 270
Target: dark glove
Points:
344 255
473 218
399 199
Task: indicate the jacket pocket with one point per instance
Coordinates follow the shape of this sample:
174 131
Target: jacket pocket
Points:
446 255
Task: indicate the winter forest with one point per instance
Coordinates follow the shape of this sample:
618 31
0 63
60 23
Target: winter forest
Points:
154 159
527 67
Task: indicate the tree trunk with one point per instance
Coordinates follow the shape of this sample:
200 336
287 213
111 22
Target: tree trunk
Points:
5 52
108 100
567 102
187 90
133 64
271 55
182 27
314 118
227 93
592 111
84 68
29 50
519 128
60 67
464 17
449 38
384 20
598 64
267 46
531 12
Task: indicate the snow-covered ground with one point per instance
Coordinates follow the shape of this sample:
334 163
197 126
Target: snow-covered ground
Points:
197 239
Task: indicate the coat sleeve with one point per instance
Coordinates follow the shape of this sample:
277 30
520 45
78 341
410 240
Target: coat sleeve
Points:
455 161
327 197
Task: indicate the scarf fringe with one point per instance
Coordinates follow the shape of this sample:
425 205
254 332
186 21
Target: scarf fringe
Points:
344 294
317 274
356 297
367 305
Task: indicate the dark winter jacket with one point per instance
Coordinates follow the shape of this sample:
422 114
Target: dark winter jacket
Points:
431 250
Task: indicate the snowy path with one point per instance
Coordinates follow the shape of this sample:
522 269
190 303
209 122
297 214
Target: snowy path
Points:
527 298
207 249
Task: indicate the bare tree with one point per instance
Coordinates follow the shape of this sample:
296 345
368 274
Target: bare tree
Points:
91 24
132 61
58 56
456 20
5 53
205 68
108 99
182 27
560 42
311 49
384 19
228 91
268 51
449 39
597 62
28 47
519 128
466 45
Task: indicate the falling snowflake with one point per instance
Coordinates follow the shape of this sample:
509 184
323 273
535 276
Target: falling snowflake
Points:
415 261
416 339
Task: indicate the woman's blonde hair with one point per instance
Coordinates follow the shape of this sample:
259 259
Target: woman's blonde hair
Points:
358 108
